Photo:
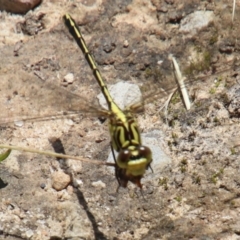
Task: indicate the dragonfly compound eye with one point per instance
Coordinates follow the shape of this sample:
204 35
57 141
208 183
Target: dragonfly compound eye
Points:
135 161
146 153
123 158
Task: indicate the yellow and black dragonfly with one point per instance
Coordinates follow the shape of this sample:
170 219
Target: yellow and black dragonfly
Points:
133 158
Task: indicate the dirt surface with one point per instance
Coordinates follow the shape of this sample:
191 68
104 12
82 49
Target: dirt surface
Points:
194 197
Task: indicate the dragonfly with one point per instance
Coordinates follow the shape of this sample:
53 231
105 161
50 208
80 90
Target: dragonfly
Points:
133 157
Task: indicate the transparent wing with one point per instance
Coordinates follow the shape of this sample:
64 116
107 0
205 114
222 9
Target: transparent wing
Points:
200 87
34 98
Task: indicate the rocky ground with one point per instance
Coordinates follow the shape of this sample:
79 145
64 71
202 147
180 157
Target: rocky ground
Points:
194 196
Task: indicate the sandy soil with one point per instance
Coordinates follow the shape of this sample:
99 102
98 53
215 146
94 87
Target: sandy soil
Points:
196 196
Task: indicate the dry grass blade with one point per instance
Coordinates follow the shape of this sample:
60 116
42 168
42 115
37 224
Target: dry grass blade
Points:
233 10
180 81
57 155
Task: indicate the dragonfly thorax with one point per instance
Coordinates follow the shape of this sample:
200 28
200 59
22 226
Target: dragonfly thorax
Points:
124 132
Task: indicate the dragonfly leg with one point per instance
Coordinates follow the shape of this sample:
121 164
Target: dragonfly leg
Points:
150 168
116 168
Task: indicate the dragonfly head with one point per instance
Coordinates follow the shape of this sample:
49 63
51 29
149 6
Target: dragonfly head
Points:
132 163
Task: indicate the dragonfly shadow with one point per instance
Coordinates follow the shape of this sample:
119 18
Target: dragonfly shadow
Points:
97 233
59 148
2 184
57 145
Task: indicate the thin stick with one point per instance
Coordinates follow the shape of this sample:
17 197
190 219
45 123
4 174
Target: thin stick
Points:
180 81
53 154
233 11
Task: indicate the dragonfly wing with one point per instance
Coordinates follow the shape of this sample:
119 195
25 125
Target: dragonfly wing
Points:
35 98
160 91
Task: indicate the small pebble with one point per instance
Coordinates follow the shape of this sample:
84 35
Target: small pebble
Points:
126 43
99 184
77 183
69 78
60 180
18 6
18 123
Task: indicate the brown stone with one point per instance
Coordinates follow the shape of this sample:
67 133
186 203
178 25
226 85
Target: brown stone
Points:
18 6
60 180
